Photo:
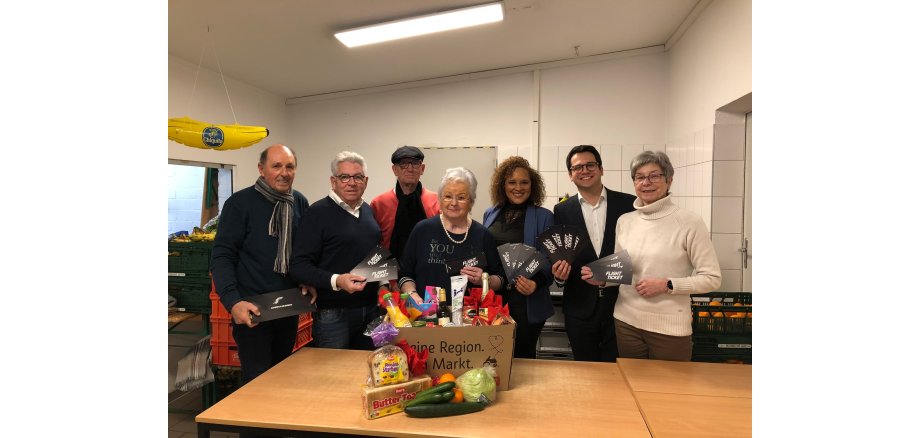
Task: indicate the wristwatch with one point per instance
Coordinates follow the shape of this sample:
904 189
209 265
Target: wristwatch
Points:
670 285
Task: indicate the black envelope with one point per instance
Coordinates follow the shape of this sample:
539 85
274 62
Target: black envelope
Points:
381 272
534 264
376 257
575 239
280 304
506 254
615 268
523 256
455 265
551 242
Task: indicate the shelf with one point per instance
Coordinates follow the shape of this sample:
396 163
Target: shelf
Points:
176 318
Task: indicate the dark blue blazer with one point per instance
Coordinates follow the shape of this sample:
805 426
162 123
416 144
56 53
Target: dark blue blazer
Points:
579 298
536 220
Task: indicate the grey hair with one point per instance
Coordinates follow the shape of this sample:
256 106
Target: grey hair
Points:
349 156
459 174
652 157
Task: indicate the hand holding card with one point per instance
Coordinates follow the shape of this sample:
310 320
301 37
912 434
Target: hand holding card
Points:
615 268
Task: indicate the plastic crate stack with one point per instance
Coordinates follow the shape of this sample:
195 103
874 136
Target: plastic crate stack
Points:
722 327
223 348
189 278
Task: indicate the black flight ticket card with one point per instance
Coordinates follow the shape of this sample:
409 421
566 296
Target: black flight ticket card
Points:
615 268
455 265
388 270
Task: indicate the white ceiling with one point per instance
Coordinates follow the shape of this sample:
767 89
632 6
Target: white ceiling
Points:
287 46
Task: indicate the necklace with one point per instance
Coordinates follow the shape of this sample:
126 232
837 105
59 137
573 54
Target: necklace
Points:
465 235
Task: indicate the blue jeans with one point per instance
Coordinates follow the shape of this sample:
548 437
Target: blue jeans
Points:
343 327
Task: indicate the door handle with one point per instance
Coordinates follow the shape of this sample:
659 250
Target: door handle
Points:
744 254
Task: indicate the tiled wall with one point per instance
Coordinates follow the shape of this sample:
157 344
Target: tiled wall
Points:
616 158
728 200
709 180
691 156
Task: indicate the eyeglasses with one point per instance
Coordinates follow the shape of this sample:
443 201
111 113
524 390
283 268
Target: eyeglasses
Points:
590 167
461 199
344 179
414 163
654 178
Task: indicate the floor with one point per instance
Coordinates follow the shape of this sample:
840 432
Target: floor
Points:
182 425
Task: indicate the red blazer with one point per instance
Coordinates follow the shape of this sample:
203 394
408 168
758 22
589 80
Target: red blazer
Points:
384 207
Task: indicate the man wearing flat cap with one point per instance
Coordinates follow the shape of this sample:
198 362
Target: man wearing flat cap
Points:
398 210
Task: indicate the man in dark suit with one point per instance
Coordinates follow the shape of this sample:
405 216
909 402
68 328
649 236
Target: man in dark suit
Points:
588 308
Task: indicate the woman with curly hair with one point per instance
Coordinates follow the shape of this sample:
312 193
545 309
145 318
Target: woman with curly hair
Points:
516 217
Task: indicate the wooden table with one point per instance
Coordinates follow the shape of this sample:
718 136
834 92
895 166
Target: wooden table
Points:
691 399
319 391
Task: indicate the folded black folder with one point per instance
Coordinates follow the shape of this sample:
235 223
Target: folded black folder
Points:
275 305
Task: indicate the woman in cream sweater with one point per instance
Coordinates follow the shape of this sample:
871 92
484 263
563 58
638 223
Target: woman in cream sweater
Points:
672 257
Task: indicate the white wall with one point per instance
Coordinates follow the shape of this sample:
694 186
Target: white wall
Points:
209 103
710 66
619 106
485 112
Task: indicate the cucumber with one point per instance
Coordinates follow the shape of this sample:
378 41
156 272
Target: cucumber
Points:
437 389
444 410
434 398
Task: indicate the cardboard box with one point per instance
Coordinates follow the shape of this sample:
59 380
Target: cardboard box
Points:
391 399
460 349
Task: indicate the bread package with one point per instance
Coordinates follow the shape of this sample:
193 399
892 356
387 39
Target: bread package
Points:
391 399
388 365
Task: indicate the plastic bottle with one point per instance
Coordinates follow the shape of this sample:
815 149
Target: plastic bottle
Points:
397 318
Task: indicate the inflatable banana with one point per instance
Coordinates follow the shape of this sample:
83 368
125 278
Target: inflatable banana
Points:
215 137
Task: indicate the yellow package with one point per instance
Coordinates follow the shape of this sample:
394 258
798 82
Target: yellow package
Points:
388 365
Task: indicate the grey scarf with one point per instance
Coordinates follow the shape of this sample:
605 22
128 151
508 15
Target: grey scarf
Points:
280 224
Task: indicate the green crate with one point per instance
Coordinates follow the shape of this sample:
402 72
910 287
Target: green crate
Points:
190 258
192 295
731 317
722 349
226 380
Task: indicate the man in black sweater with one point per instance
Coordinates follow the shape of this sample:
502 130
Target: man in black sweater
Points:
251 257
336 233
588 309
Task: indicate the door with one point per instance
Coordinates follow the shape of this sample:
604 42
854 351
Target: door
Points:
747 240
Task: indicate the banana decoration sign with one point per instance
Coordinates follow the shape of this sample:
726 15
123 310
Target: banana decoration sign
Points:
203 135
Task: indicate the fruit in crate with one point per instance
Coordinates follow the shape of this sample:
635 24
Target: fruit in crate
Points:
736 314
199 235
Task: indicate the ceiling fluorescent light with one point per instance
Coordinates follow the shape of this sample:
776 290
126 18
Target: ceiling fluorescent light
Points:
423 25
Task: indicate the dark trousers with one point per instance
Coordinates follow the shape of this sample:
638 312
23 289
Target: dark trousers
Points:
525 334
265 345
343 327
593 338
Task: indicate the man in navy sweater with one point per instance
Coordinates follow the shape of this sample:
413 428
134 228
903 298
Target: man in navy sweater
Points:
337 232
251 256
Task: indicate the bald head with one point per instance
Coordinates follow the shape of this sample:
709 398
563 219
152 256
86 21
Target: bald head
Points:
264 154
277 166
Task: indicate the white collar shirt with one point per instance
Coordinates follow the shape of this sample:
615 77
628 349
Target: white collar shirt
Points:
595 219
356 212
